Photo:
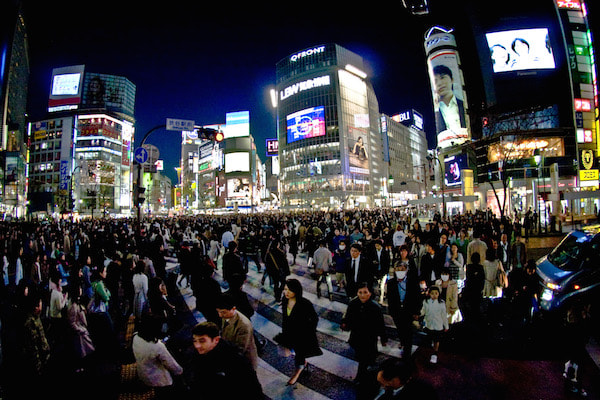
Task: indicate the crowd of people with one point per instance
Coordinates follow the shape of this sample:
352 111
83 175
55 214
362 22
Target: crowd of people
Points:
70 288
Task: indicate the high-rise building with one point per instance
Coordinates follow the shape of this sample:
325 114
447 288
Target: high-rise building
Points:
330 147
81 156
14 79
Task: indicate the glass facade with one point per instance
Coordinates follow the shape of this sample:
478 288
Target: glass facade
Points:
329 140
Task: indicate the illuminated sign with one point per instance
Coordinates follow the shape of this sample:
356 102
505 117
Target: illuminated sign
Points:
304 85
306 124
237 124
588 175
307 53
569 4
66 88
453 167
272 147
521 49
583 104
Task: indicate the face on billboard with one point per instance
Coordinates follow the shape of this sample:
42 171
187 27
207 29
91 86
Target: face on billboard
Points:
448 98
306 124
521 49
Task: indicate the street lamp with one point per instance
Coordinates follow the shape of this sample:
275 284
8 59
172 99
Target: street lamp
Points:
430 158
537 156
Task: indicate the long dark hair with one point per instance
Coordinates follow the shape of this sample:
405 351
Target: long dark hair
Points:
295 286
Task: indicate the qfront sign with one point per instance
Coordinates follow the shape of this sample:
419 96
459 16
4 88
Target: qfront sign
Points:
306 53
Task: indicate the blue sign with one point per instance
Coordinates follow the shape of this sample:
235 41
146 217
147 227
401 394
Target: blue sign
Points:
140 155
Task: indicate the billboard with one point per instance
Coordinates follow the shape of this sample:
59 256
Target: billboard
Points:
358 151
272 147
447 85
237 124
520 49
237 162
111 92
66 88
305 124
453 167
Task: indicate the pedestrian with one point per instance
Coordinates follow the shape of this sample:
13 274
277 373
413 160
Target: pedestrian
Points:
232 262
518 253
492 267
218 370
430 264
435 320
160 308
341 261
449 293
35 351
397 381
206 290
140 289
472 293
322 261
577 322
404 304
364 320
360 270
155 364
236 328
277 267
299 327
82 345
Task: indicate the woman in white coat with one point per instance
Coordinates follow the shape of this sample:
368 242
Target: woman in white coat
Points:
155 364
491 267
140 289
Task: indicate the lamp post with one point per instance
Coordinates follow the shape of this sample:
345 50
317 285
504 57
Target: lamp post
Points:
538 159
430 158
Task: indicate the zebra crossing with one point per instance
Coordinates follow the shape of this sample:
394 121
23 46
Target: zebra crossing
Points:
328 376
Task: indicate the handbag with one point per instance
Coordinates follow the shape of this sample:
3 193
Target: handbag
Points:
96 305
501 279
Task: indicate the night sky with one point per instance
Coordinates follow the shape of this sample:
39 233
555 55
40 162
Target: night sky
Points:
199 62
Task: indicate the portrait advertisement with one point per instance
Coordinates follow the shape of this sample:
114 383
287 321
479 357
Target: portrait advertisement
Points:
449 98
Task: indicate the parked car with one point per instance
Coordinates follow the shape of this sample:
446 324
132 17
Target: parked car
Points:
571 271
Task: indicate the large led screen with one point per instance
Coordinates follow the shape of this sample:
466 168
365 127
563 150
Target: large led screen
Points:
453 167
237 162
521 49
306 124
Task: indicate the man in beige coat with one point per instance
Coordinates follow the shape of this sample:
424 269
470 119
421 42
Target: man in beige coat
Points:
236 328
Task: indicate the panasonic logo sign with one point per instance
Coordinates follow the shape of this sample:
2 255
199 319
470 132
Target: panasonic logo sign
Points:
306 53
305 85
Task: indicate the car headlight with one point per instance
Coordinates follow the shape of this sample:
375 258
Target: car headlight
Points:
552 286
547 294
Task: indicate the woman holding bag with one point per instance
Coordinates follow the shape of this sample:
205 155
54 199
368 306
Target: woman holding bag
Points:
299 327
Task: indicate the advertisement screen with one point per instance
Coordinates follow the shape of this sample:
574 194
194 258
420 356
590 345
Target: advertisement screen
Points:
453 167
449 98
237 124
66 88
237 162
521 49
306 124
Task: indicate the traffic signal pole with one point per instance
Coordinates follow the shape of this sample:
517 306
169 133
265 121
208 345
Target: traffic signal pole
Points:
139 176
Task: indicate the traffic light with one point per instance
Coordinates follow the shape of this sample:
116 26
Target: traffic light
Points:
210 134
139 196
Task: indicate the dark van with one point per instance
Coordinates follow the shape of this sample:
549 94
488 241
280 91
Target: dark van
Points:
571 271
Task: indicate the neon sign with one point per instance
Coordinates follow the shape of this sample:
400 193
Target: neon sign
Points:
305 85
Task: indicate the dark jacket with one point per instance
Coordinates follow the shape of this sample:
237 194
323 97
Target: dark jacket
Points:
299 329
223 373
365 274
381 265
474 281
429 264
232 264
365 323
412 300
276 263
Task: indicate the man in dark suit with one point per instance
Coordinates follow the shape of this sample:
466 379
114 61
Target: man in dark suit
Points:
360 270
404 304
380 258
430 263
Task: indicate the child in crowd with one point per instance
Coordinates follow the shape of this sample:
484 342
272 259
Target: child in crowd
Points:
435 319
